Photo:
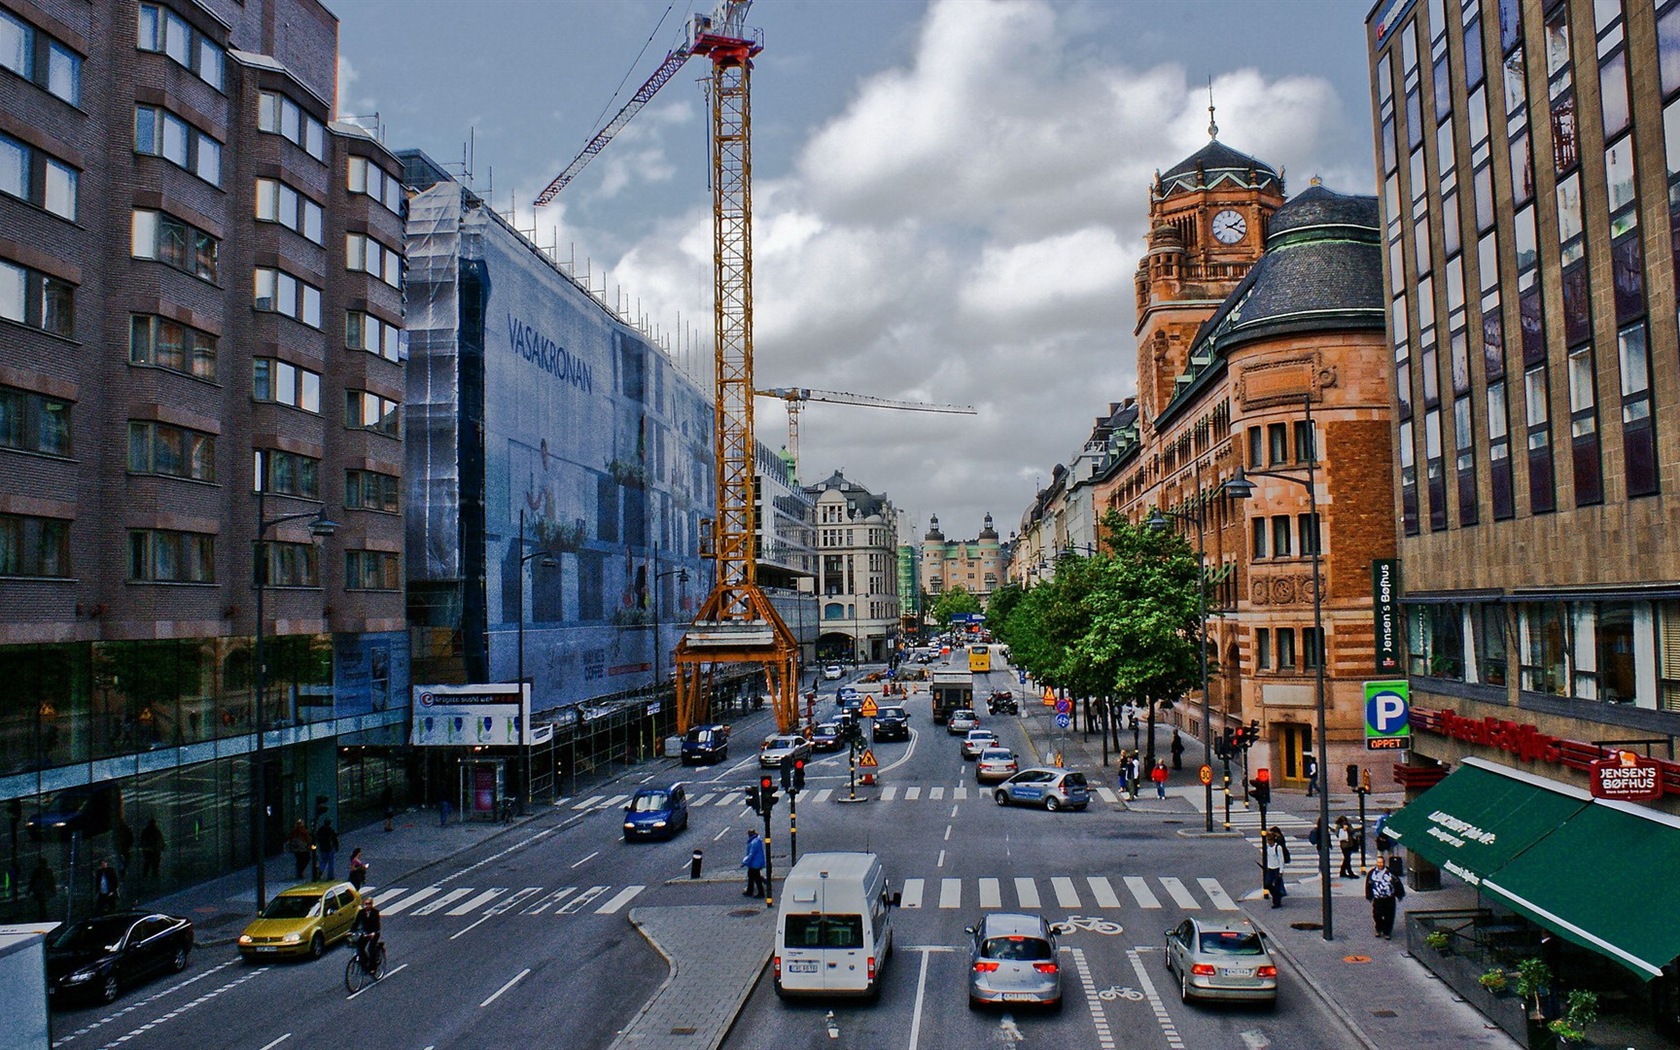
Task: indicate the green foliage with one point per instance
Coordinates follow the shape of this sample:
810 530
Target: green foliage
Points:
1581 1011
956 600
1437 939
1494 980
1533 977
1002 603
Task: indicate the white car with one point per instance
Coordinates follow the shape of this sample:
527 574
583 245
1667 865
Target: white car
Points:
977 741
832 673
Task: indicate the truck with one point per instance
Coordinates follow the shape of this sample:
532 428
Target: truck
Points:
953 688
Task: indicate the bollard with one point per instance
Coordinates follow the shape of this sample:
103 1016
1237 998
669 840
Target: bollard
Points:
694 862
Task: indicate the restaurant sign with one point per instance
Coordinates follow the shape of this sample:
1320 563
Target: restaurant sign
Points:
1626 777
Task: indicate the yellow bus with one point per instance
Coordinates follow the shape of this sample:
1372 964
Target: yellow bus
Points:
979 658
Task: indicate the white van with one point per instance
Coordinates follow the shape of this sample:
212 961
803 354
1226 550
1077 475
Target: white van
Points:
834 930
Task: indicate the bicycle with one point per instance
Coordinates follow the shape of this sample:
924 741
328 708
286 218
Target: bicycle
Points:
358 975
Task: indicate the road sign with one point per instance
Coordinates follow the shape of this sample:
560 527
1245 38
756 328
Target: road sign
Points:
1063 721
1388 725
868 758
868 709
1206 774
1049 697
1063 706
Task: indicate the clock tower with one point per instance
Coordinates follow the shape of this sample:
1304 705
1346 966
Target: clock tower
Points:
1207 227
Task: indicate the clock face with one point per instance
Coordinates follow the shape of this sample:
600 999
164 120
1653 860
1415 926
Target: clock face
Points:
1229 227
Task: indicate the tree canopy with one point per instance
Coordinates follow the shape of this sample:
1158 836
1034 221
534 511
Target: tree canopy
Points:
954 601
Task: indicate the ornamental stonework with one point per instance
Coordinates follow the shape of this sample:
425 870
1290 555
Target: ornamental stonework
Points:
1291 589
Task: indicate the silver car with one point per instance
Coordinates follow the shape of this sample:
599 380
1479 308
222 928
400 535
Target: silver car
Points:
995 764
1051 788
962 720
1221 959
1012 959
977 741
782 747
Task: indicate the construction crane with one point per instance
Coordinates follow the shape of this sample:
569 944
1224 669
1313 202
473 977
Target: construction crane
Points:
796 397
736 624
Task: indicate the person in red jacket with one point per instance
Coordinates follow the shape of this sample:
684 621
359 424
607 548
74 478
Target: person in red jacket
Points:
1159 775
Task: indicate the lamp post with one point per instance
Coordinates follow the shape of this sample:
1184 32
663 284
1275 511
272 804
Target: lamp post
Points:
1240 487
1158 523
320 527
682 577
546 560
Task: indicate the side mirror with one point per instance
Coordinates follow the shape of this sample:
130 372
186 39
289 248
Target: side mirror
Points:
969 930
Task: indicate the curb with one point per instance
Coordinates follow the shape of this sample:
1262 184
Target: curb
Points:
1306 976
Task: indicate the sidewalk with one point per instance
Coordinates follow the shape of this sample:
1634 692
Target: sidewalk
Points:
1385 998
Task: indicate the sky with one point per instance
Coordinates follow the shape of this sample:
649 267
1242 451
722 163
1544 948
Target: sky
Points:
949 197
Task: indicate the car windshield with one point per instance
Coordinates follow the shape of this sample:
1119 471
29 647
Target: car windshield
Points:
1075 780
1023 949
100 934
786 742
650 802
824 931
700 736
993 754
827 729
1231 942
292 907
891 712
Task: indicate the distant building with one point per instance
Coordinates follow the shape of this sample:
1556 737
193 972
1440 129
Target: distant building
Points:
858 576
974 565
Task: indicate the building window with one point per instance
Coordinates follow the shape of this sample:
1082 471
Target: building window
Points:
165 31
1262 649
1614 681
32 298
1639 437
1281 526
31 546
167 556
40 59
286 473
282 383
32 422
1435 470
363 254
367 490
162 343
177 452
1499 452
1668 652
1488 620
368 178
279 115
1312 648
1541 497
1259 529
279 292
292 565
1286 648
174 243
1544 648
364 331
1256 447
1464 466
372 571
1307 526
36 177
1583 427
160 133
1408 479
279 203
366 411
1277 438
1305 448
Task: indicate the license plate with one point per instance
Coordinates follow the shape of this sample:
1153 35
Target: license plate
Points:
1235 972
266 948
802 967
1019 997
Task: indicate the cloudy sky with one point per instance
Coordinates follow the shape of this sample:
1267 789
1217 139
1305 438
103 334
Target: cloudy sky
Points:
949 197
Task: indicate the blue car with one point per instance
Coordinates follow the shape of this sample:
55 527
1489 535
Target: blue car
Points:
705 744
656 813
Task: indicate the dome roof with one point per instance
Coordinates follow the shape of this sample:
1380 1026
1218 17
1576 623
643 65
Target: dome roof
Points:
933 532
1217 164
1318 208
987 532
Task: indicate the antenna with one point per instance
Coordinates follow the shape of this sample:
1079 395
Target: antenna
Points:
1213 128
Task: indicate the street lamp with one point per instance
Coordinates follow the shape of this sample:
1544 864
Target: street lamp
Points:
546 560
320 527
1158 523
681 573
1240 487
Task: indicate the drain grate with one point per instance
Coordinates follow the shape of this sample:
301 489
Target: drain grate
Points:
1306 926
685 1030
1384 1013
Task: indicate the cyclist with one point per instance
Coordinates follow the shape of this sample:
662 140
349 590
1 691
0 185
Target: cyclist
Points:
367 945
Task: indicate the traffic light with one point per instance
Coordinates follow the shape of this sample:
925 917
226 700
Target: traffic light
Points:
1353 776
767 797
787 775
1262 785
798 775
1239 738
1224 747
753 801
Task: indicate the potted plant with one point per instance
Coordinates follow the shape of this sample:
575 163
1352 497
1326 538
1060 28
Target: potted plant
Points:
1495 980
1533 977
1440 940
1581 1011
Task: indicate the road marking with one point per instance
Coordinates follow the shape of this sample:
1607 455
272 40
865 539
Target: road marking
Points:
1105 1037
587 859
991 896
950 893
412 899
823 796
948 828
701 800
588 802
477 902
385 895
178 1011
1181 896
1066 895
921 990
1027 890
1107 796
576 904
960 793
1103 891
388 975
497 994
912 893
1216 893
720 834
887 793
619 900
278 1041
1168 1029
509 903
936 794
551 900
443 902
911 794
1254 1039
954 812
941 863
1139 888
614 801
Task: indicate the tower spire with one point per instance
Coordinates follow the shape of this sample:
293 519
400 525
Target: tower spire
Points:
1213 128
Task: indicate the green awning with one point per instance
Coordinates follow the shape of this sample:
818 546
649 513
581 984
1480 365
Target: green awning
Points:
1481 816
1609 880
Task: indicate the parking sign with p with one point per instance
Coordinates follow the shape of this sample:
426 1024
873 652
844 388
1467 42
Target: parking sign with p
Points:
1388 709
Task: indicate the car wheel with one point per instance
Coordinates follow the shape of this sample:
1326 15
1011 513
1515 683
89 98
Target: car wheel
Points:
317 946
1052 803
1001 797
1166 957
179 963
1184 987
108 990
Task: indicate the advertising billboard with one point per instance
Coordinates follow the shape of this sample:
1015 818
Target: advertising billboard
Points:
490 715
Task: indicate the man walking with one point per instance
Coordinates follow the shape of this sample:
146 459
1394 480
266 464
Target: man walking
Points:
326 842
754 863
1311 765
105 888
1274 854
1159 776
1177 750
1385 892
1345 842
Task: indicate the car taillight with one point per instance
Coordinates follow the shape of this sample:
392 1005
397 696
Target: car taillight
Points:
872 967
1267 971
985 967
776 961
1048 967
1202 970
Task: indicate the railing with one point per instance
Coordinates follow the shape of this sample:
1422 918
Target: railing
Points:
1473 941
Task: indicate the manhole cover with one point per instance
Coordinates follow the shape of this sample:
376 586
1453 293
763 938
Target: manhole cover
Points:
1384 1013
1306 926
742 912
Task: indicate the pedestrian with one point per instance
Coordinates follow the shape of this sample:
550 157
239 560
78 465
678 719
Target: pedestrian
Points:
444 809
300 846
1385 892
754 863
43 887
1137 774
1385 845
1177 750
1125 773
1316 835
1159 776
388 800
1274 854
1311 764
1346 843
124 841
151 849
326 841
358 869
105 886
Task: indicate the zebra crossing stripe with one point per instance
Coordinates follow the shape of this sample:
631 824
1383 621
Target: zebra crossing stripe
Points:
384 896
409 901
935 794
577 903
619 900
959 794
1108 796
477 902
588 802
442 902
616 800
887 793
703 799
1180 895
991 896
1137 887
507 904
1027 890
730 798
911 895
950 893
1216 893
1103 891
911 794
1066 895
823 796
549 901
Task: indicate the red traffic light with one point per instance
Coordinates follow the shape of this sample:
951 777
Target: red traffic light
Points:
799 763
1263 775
764 782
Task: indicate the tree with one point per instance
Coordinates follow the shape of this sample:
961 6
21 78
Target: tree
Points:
1003 602
954 601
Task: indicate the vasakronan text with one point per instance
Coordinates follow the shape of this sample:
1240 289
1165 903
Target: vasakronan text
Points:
549 356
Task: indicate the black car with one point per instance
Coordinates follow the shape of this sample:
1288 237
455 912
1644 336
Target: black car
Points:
89 809
705 744
892 723
97 958
828 736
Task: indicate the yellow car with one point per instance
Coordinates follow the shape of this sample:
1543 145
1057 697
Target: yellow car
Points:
303 920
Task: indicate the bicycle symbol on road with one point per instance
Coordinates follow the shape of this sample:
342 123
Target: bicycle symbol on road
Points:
1090 923
1118 992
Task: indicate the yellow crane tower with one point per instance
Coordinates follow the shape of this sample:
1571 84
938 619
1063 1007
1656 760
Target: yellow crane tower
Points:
796 397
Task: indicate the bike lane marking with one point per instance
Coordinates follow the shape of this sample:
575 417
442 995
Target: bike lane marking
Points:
137 1004
183 1008
497 994
1168 1029
921 990
1105 1036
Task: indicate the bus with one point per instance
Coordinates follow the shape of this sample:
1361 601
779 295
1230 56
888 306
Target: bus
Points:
979 658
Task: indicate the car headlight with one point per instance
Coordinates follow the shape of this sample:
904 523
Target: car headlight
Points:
629 825
292 938
244 938
82 976
659 823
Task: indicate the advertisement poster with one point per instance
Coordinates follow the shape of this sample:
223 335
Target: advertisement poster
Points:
469 716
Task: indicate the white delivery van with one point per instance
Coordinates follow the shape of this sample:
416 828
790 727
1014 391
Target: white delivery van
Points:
834 930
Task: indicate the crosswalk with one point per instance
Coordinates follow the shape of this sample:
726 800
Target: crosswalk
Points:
499 900
735 797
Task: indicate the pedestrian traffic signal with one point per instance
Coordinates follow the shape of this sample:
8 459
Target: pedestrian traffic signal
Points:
787 775
767 797
1262 786
1223 746
1239 738
753 801
1353 776
798 775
